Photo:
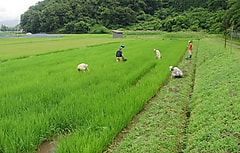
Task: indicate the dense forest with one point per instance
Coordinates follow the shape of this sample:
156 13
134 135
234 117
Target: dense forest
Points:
99 16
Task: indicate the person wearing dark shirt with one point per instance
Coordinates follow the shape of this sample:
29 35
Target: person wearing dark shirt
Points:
119 56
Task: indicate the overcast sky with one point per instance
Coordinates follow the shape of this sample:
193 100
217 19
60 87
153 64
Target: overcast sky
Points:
12 9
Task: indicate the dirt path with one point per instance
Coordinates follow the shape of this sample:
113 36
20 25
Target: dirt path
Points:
46 147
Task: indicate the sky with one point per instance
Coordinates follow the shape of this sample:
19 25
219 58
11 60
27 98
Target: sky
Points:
12 9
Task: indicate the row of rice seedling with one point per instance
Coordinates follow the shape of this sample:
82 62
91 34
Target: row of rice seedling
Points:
45 95
214 122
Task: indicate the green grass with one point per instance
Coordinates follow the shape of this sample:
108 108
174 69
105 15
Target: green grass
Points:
165 35
214 122
45 95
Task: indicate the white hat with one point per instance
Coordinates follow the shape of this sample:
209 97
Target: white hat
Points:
189 41
170 67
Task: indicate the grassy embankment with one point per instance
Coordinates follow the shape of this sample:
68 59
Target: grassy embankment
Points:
45 95
215 116
197 113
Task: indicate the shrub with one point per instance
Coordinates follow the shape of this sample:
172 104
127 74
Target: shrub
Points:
98 29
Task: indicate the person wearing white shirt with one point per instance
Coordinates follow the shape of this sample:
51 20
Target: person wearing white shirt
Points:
158 54
82 67
176 72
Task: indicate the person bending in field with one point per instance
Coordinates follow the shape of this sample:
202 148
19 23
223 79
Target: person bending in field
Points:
158 54
119 56
176 72
82 67
190 50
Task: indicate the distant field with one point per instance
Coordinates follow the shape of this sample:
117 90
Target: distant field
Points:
22 47
43 96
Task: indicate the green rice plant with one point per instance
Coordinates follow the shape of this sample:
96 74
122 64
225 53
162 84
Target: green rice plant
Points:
45 95
15 48
130 102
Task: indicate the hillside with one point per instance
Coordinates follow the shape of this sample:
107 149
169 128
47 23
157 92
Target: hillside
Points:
99 16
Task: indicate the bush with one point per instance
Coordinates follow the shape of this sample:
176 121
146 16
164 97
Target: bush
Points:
81 27
194 28
99 29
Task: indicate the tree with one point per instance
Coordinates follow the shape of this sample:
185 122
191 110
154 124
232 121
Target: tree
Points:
81 27
170 15
30 21
233 14
214 5
54 17
3 27
118 17
69 27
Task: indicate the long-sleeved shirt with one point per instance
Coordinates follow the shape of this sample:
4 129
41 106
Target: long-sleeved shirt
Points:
158 54
119 53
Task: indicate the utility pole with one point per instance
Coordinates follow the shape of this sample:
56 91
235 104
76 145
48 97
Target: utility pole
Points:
225 33
231 37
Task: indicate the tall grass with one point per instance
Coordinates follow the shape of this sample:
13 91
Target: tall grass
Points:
165 35
45 95
214 122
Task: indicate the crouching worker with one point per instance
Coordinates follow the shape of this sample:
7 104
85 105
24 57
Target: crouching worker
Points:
176 72
158 54
119 56
82 67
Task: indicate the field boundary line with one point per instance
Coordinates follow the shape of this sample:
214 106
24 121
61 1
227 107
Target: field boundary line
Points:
41 54
188 111
143 74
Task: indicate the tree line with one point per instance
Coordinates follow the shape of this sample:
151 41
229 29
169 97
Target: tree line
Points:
97 16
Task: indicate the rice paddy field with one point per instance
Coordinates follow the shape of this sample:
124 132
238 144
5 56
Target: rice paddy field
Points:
43 96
